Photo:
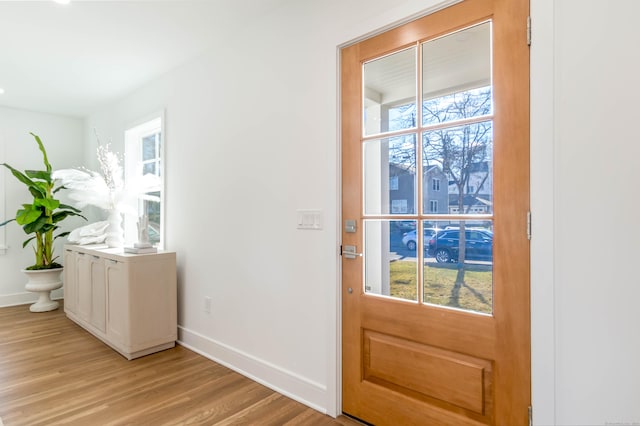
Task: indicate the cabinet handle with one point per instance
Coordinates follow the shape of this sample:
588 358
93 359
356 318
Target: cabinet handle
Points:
95 257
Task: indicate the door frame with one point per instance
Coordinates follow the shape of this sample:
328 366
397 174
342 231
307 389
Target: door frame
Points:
542 204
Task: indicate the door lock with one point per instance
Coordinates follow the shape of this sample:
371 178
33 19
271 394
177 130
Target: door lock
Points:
350 226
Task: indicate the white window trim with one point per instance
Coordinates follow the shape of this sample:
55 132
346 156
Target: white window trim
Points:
133 134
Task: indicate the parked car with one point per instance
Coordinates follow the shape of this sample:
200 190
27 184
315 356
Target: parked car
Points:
445 246
410 238
404 225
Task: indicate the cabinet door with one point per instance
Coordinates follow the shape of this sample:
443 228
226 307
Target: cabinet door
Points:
70 281
98 296
84 286
152 293
117 302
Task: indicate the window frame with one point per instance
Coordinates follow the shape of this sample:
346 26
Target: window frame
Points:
134 134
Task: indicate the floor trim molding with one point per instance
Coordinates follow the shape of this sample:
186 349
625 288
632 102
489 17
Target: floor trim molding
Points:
25 298
290 384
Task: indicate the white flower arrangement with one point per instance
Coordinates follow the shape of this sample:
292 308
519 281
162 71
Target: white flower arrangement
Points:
106 190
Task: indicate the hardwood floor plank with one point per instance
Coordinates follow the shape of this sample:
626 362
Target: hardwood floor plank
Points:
54 372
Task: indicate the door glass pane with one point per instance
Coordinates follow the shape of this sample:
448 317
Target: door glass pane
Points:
390 175
390 93
458 170
456 75
458 265
391 269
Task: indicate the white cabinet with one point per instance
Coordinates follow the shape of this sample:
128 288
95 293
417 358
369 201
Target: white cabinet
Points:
126 300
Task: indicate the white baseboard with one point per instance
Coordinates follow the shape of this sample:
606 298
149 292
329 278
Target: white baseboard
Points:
17 299
294 386
24 298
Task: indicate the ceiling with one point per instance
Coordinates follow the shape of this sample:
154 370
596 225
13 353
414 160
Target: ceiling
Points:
454 62
71 59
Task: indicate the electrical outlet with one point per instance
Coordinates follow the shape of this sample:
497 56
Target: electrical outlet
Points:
207 304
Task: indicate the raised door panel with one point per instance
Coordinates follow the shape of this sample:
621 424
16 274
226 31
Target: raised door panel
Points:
83 265
70 281
117 289
98 294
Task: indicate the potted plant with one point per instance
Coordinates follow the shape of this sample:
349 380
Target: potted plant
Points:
40 220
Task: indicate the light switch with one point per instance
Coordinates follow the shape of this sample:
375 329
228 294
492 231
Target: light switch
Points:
309 219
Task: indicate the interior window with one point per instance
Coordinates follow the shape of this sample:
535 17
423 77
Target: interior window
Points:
144 173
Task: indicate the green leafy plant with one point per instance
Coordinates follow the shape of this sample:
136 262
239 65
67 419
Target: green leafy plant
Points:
40 218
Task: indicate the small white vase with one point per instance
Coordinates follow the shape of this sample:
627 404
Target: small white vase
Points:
43 281
114 231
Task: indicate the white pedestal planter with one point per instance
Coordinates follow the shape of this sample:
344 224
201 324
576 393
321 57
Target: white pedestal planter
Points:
43 281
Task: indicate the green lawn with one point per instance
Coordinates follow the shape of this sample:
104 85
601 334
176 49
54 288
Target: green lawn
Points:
475 294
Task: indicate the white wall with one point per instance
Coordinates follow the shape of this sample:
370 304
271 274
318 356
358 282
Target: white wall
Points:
597 281
63 139
585 155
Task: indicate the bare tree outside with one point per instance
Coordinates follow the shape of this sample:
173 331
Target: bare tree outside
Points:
463 152
460 151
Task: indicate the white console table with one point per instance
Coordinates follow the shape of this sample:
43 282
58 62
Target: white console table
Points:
126 300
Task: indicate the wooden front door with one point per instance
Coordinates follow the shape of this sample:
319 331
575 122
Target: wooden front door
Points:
435 200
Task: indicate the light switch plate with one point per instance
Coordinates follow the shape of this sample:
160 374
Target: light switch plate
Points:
309 219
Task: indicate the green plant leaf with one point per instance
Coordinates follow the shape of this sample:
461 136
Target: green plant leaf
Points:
47 227
68 207
19 175
62 214
28 215
35 226
62 234
49 203
37 192
44 151
39 174
24 244
6 221
44 186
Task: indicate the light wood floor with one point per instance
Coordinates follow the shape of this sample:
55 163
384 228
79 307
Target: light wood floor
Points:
53 372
